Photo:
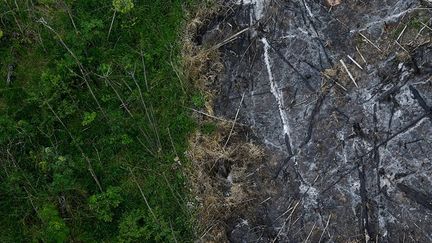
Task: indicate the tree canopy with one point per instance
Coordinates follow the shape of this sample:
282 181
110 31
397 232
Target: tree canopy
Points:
90 126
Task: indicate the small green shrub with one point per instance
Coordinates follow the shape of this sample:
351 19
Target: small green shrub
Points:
104 203
123 6
89 117
54 228
198 100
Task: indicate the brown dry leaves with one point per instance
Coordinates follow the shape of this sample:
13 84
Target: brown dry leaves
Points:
333 3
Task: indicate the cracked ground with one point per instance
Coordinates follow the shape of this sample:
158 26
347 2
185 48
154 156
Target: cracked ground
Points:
341 97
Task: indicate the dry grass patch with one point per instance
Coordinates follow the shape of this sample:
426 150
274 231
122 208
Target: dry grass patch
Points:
201 64
222 179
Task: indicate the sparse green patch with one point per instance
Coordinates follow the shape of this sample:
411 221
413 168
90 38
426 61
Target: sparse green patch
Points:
208 128
417 22
414 23
198 100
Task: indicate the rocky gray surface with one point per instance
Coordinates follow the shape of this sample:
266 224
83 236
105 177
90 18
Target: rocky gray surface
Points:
353 158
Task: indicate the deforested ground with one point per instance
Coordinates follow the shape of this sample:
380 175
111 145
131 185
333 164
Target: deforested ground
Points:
337 96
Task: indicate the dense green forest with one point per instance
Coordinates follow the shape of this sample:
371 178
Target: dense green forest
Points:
93 124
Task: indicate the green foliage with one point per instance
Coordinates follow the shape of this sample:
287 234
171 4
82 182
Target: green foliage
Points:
123 6
81 111
1 34
132 227
103 204
54 228
62 175
88 118
140 226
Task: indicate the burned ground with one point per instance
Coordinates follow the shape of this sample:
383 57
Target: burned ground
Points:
342 98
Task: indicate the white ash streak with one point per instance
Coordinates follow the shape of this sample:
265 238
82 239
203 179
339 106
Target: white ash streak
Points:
276 91
384 20
258 6
308 9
